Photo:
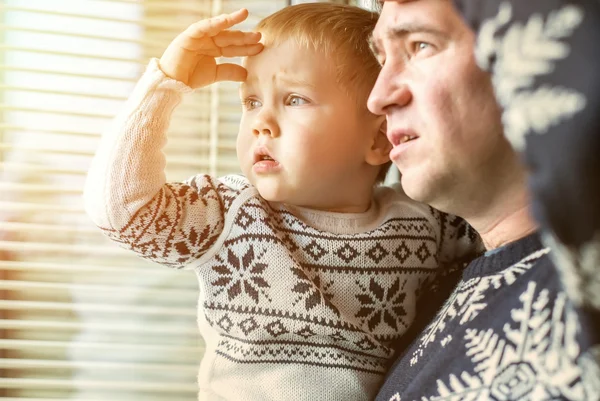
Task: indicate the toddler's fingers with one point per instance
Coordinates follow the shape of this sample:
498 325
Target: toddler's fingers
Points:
214 25
230 72
241 51
223 39
228 51
229 38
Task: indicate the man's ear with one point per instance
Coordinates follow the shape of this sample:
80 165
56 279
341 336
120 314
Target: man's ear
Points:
379 153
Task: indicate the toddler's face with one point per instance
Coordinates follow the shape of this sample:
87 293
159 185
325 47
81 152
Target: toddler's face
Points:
302 139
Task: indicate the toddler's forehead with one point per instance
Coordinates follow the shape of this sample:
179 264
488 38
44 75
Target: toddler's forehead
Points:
291 56
291 45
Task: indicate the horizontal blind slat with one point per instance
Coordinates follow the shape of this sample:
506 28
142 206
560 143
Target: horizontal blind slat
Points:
149 23
13 68
191 161
91 56
48 228
7 363
9 28
107 327
57 286
140 268
33 110
168 5
105 308
109 346
183 116
156 386
8 88
77 249
39 169
39 188
40 207
176 139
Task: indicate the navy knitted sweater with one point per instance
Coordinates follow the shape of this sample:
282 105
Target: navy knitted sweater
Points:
508 331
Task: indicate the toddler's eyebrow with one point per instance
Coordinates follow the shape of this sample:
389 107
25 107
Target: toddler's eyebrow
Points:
289 80
292 81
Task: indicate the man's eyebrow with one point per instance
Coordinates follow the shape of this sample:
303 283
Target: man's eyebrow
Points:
403 30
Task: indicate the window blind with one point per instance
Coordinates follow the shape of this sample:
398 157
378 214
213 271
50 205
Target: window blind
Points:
80 318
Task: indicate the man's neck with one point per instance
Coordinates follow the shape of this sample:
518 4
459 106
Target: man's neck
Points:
510 228
505 222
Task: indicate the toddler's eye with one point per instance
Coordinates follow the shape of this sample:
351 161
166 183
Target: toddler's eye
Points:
296 101
250 104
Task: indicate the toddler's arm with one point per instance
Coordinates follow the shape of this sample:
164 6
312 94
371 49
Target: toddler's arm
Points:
126 193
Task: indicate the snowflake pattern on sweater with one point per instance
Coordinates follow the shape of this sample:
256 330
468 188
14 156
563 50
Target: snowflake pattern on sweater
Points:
504 334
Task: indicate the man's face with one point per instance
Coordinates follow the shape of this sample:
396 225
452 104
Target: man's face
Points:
442 117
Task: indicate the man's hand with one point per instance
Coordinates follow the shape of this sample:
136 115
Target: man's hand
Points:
190 58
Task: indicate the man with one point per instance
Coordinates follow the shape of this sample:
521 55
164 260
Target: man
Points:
508 331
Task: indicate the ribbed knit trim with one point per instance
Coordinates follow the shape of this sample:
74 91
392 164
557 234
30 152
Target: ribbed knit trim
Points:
340 223
499 259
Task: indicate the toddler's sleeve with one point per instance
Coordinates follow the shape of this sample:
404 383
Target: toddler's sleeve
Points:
126 193
179 224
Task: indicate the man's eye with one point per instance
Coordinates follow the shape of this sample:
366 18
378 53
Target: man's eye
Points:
250 104
420 46
296 101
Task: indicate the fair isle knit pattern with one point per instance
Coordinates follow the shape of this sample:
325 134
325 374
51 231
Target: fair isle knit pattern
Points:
508 332
294 303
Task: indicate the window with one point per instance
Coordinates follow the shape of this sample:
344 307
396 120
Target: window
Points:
79 317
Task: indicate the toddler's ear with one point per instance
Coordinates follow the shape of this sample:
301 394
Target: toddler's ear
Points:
380 146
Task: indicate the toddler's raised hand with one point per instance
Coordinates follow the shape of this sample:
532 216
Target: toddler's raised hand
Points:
190 58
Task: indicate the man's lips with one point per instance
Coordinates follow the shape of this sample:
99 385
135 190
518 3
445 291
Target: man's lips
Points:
401 141
401 136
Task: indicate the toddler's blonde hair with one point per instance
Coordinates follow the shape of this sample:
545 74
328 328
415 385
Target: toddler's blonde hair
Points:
338 31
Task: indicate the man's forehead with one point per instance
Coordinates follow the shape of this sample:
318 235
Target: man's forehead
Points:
406 16
380 2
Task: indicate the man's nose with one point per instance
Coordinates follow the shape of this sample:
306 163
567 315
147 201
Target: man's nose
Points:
389 91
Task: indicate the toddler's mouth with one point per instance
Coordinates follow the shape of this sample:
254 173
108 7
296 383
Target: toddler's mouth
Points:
262 154
264 163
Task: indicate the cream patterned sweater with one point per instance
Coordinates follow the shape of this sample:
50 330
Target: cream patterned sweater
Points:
294 303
